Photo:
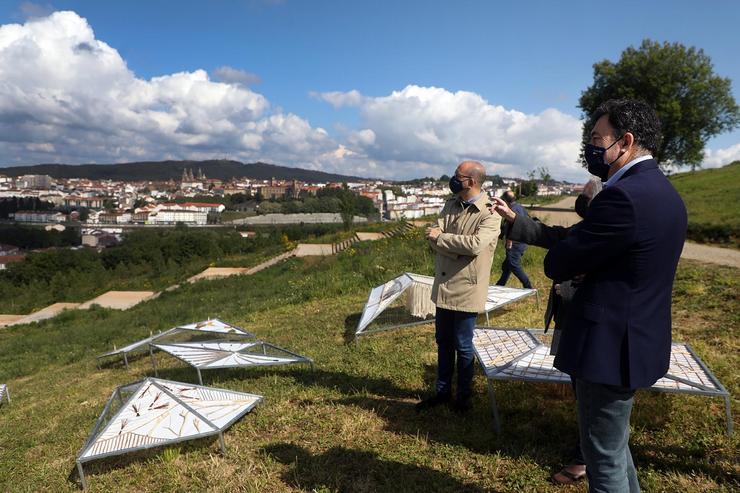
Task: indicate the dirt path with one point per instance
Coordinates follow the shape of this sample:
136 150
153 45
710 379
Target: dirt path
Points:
711 254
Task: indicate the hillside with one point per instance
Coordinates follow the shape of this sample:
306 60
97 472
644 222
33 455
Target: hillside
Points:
712 197
172 170
349 425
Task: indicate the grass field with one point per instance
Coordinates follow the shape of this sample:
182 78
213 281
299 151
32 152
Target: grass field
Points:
712 197
350 425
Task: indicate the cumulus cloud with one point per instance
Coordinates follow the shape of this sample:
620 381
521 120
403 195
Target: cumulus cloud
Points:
721 157
421 130
232 75
66 96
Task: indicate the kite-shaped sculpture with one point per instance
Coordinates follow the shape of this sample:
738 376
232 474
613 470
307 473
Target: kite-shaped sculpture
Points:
211 326
154 413
406 301
211 355
4 393
518 354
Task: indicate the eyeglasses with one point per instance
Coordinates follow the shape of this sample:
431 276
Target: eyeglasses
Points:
462 176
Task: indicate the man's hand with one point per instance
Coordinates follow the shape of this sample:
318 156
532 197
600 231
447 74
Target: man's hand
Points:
433 233
509 244
502 209
590 189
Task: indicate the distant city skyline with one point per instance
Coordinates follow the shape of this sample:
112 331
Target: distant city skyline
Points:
392 90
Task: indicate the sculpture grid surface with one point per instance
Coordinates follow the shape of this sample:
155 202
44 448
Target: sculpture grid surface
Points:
215 326
161 411
520 355
221 354
383 296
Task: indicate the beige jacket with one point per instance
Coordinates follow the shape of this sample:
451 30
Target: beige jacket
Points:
464 251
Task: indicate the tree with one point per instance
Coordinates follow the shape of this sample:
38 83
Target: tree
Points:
545 176
347 208
692 102
528 188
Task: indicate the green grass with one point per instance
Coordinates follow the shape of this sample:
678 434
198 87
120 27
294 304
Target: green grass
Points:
350 425
712 197
227 216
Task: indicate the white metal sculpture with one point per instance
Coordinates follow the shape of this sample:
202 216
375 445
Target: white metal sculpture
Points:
418 307
4 393
154 413
210 326
518 354
211 355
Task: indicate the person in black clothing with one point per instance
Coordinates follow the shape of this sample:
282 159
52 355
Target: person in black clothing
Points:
532 231
514 249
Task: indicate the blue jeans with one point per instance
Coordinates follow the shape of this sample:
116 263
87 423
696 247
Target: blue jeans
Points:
454 334
513 263
604 424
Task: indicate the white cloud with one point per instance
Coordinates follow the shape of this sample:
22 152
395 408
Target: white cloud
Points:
428 130
67 97
721 157
231 75
339 99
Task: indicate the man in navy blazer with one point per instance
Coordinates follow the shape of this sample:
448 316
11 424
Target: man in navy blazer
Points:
618 331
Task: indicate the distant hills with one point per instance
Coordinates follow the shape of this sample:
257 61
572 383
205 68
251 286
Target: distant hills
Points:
172 170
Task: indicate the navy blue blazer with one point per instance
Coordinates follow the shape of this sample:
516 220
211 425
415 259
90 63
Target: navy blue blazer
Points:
618 330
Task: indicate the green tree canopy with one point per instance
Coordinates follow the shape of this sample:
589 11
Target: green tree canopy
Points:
692 102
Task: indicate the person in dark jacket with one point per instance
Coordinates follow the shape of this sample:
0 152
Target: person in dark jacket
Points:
514 249
618 336
532 231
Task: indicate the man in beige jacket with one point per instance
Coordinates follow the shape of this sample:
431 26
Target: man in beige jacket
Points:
463 241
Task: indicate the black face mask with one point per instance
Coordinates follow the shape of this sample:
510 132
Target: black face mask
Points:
456 185
582 205
594 156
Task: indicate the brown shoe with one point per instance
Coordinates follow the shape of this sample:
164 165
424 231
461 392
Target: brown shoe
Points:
569 474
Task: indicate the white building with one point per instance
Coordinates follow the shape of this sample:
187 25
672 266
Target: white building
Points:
174 216
37 182
38 217
544 190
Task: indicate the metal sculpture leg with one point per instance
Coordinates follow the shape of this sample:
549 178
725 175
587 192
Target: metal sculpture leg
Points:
729 415
7 395
125 360
221 443
494 408
200 377
488 322
82 476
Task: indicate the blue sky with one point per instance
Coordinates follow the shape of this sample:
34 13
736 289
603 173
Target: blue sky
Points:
433 81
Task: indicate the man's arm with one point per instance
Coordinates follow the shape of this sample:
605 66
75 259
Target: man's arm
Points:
437 249
609 229
532 232
473 244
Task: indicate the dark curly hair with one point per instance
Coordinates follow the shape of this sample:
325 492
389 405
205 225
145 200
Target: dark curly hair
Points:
633 116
